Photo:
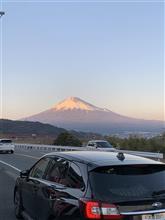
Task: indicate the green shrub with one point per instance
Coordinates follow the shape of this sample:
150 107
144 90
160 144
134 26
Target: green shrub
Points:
67 139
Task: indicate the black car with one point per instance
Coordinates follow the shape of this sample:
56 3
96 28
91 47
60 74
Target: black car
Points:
91 185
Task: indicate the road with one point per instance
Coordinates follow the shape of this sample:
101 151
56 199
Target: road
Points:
10 164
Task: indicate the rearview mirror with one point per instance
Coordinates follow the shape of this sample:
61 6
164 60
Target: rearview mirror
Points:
24 173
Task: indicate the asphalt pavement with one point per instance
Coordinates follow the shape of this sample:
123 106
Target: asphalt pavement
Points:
10 165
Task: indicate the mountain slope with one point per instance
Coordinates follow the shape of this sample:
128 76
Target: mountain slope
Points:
74 113
10 128
28 128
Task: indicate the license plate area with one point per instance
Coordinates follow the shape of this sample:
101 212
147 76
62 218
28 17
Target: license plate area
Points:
158 216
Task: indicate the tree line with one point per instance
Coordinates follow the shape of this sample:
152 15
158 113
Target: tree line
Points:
133 142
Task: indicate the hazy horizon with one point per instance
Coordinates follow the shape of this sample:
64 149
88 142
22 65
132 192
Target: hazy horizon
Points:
86 102
108 54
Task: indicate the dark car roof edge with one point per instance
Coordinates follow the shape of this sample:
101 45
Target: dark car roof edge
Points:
96 163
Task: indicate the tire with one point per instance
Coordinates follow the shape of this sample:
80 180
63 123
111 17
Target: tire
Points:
18 204
53 218
12 152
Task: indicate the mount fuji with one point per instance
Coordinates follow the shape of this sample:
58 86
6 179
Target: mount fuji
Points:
74 113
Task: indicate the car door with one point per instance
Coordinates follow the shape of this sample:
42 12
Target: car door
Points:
31 186
60 190
46 194
52 193
67 196
58 168
92 145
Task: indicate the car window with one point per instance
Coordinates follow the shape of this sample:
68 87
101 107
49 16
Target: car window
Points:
39 169
104 144
128 183
91 144
57 170
6 141
74 177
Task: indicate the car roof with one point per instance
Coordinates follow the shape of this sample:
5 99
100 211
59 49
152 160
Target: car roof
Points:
98 158
98 141
5 139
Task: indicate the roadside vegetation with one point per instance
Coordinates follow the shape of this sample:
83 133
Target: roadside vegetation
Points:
155 144
39 133
67 139
133 142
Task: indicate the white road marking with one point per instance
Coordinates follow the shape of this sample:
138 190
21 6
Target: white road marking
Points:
9 165
25 155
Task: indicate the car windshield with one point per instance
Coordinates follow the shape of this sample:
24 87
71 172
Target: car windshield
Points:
5 141
104 144
128 183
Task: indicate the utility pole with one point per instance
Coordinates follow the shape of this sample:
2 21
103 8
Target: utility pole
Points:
1 14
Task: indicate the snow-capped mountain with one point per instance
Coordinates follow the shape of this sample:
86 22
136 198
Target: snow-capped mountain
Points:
74 113
74 103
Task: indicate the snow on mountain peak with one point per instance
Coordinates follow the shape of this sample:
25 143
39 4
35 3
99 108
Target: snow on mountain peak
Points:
74 103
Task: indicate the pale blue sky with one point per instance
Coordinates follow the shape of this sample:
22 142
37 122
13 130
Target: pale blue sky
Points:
109 54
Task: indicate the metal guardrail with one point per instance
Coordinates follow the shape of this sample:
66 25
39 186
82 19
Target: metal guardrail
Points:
50 148
145 154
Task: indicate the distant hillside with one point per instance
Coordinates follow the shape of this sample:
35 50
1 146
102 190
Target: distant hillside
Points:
9 128
27 128
76 114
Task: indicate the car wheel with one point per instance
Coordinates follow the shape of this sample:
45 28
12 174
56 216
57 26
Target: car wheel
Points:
11 151
52 218
18 205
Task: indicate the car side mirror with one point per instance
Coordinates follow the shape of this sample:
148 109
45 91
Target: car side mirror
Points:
24 173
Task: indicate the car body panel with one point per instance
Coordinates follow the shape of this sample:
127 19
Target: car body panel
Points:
96 159
6 145
42 198
99 145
